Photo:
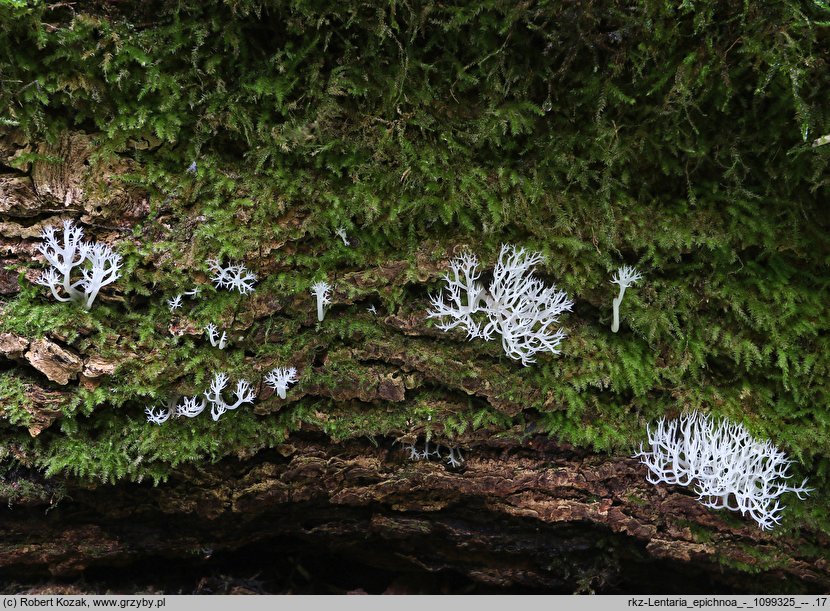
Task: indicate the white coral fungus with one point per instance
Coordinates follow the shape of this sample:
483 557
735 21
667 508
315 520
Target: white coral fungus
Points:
414 453
321 290
280 378
517 306
232 277
427 452
216 340
340 232
73 252
729 468
174 303
243 394
455 459
623 277
191 407
158 417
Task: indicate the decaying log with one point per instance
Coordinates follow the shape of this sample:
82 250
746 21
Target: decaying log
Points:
534 516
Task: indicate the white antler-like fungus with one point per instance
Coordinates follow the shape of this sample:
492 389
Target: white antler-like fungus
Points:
455 459
158 417
280 379
233 277
63 259
465 297
427 452
175 303
340 232
729 468
216 340
243 394
191 407
321 290
412 450
518 306
623 277
103 270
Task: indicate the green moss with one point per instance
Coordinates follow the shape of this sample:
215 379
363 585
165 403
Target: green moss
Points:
16 490
636 500
13 399
754 559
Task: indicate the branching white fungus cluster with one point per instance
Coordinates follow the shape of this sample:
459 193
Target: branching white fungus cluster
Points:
515 305
727 466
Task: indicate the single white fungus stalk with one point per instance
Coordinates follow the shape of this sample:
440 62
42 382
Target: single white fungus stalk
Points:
280 378
321 291
340 232
624 277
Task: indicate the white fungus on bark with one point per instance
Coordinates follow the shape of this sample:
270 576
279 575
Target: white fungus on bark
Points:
158 417
191 407
243 393
216 340
321 290
280 379
174 303
455 459
232 277
515 305
727 466
340 232
70 252
623 277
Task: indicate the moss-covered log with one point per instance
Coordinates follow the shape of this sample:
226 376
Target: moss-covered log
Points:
687 141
